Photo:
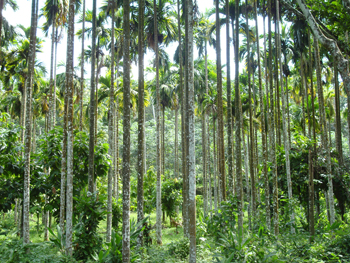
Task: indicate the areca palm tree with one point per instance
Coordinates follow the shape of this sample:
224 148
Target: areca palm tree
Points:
160 28
28 131
126 135
203 37
55 12
8 29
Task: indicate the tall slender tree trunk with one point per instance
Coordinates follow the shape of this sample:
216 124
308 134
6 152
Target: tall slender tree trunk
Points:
51 124
209 175
111 150
117 146
261 100
246 173
54 82
239 184
222 177
338 138
23 108
183 113
176 162
163 140
141 121
191 159
204 163
28 124
82 72
70 136
215 169
284 125
63 168
185 180
158 112
265 126
229 106
126 133
301 92
91 172
1 8
324 133
311 176
251 128
314 155
272 133
34 135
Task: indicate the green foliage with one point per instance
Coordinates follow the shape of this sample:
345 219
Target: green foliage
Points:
13 251
112 251
179 249
117 214
171 196
149 185
224 219
58 240
90 210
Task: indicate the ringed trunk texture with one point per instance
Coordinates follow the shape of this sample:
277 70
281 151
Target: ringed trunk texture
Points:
111 136
126 134
158 112
272 133
70 136
191 135
285 132
222 177
82 72
239 183
91 172
324 133
28 125
141 123
229 106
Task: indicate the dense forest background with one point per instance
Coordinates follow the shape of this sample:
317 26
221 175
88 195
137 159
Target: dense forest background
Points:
197 158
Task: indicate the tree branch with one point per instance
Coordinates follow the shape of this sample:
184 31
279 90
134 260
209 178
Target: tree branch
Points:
328 43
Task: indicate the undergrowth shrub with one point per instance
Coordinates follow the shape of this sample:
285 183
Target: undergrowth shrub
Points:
90 210
13 251
179 249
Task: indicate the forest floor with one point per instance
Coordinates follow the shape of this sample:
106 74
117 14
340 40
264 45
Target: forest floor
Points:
331 244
